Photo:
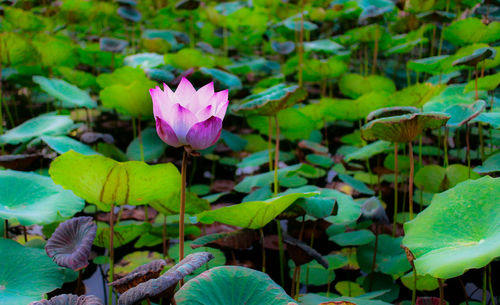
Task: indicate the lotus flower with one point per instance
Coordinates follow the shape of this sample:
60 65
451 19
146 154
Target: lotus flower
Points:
187 117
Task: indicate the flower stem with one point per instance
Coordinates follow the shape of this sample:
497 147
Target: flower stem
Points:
182 209
282 253
276 156
464 290
445 144
111 251
414 291
410 186
270 143
485 271
164 236
395 189
441 292
6 229
301 43
263 250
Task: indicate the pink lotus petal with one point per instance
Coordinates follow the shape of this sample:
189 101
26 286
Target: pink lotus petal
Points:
204 134
205 113
204 94
220 112
170 93
166 133
186 94
181 119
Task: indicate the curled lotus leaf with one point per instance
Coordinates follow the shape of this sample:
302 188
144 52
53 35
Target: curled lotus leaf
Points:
301 253
237 240
461 114
476 57
70 299
129 14
71 243
390 111
458 231
112 44
188 5
225 284
164 286
283 48
139 275
402 128
372 209
270 101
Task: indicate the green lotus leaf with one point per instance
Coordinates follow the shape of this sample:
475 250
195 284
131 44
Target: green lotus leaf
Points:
326 46
430 178
260 180
109 44
70 95
471 30
424 282
457 173
28 273
134 260
144 60
315 69
356 184
315 299
458 231
320 160
491 118
62 144
20 51
262 157
170 205
270 101
79 78
354 110
391 111
353 238
462 114
253 65
124 233
370 150
283 48
391 258
487 83
236 240
153 146
124 90
56 50
452 95
402 128
129 13
45 202
313 273
229 283
49 124
476 57
252 214
433 65
103 181
189 58
348 210
490 165
355 85
225 79
415 95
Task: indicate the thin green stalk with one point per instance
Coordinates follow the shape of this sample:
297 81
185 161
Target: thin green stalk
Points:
263 250
485 287
414 290
282 253
276 155
111 251
182 209
297 283
420 163
441 292
467 141
481 139
395 189
164 236
464 290
492 295
6 229
301 43
445 144
410 184
270 143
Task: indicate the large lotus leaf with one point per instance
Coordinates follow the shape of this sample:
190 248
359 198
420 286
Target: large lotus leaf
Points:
294 124
402 128
41 125
283 48
124 90
237 240
491 118
134 261
189 58
170 205
313 273
353 238
391 258
424 282
70 244
124 232
490 165
71 299
356 184
370 150
70 95
457 173
253 65
62 144
129 13
433 65
285 175
144 60
458 231
452 95
487 83
261 157
270 101
26 274
252 214
471 30
224 285
415 95
476 57
462 114
104 181
316 299
324 45
152 146
35 199
353 110
391 111
225 79
164 286
348 210
355 85
315 69
56 50
430 178
20 51
109 44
